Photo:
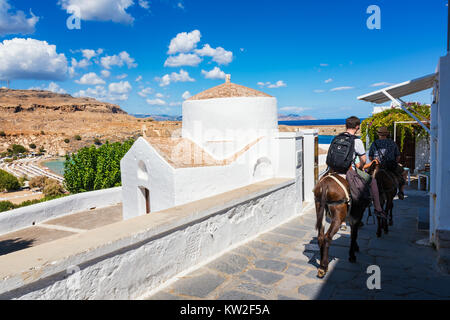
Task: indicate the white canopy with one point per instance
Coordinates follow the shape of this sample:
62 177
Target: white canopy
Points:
400 90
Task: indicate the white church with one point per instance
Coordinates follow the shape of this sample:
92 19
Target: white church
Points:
229 140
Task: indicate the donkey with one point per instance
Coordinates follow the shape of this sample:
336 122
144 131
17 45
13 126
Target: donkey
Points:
387 186
332 195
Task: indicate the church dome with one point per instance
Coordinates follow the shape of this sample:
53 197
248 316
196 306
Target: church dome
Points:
228 90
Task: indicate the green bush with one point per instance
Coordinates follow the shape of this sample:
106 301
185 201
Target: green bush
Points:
6 205
97 141
38 182
77 137
32 146
66 140
17 148
94 168
42 132
52 188
42 150
2 134
8 181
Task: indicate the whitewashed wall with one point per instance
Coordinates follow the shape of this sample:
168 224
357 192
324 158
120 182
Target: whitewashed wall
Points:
158 178
422 155
239 119
128 259
27 216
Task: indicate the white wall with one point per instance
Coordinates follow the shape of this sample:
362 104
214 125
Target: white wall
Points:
309 136
442 187
422 154
159 180
27 216
128 259
241 120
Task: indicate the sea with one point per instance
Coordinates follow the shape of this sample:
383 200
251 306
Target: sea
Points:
323 139
56 166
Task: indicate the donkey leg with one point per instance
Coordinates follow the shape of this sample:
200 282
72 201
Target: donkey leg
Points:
353 244
332 230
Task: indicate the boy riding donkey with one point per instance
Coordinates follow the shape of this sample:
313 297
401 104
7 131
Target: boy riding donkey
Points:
361 184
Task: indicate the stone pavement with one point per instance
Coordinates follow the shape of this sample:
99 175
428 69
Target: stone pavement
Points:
282 264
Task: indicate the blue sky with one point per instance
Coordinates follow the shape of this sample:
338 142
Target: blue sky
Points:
147 56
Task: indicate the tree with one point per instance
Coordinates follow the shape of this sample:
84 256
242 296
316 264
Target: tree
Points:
94 168
77 137
97 141
6 205
17 148
2 134
8 182
38 182
52 188
32 146
66 140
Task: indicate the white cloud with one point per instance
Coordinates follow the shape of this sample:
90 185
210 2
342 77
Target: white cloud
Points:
328 80
184 42
118 60
278 84
31 59
319 91
101 10
145 92
105 73
295 110
144 4
182 76
53 87
99 92
89 53
324 64
219 55
159 95
83 63
121 76
342 88
215 73
381 84
15 23
174 104
156 102
119 87
183 59
186 95
90 78
180 5
139 78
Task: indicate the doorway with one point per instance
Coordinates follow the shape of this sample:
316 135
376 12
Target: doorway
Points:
145 200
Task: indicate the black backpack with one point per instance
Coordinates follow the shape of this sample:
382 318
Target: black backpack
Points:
340 153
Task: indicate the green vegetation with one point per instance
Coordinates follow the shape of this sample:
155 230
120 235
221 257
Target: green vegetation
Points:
94 168
6 205
50 187
2 134
66 140
97 141
42 150
16 149
387 119
42 132
77 137
8 182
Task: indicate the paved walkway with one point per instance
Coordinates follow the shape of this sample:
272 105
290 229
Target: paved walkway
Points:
282 264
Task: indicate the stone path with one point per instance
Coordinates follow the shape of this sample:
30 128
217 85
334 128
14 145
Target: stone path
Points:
282 264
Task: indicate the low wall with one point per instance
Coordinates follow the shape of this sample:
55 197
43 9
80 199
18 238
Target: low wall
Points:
127 259
27 216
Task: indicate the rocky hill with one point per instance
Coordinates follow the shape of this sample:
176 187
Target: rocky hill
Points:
54 121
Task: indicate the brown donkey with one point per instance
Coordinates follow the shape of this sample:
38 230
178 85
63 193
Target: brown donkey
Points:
332 195
387 186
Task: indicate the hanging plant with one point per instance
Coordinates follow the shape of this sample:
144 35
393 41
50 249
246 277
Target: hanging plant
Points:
387 118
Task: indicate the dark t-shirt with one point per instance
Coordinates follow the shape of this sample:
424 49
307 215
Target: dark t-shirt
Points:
388 149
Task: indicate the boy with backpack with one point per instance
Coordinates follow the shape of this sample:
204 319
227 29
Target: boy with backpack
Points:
341 158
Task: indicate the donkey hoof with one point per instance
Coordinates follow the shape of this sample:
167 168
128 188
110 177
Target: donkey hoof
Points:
321 273
352 259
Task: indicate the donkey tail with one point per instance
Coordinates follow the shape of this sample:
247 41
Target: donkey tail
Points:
321 209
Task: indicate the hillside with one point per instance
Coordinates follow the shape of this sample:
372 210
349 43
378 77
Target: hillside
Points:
46 119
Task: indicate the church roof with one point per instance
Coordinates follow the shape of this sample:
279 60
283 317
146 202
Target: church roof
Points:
228 90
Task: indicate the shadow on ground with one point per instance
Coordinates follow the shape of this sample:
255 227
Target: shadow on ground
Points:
16 244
